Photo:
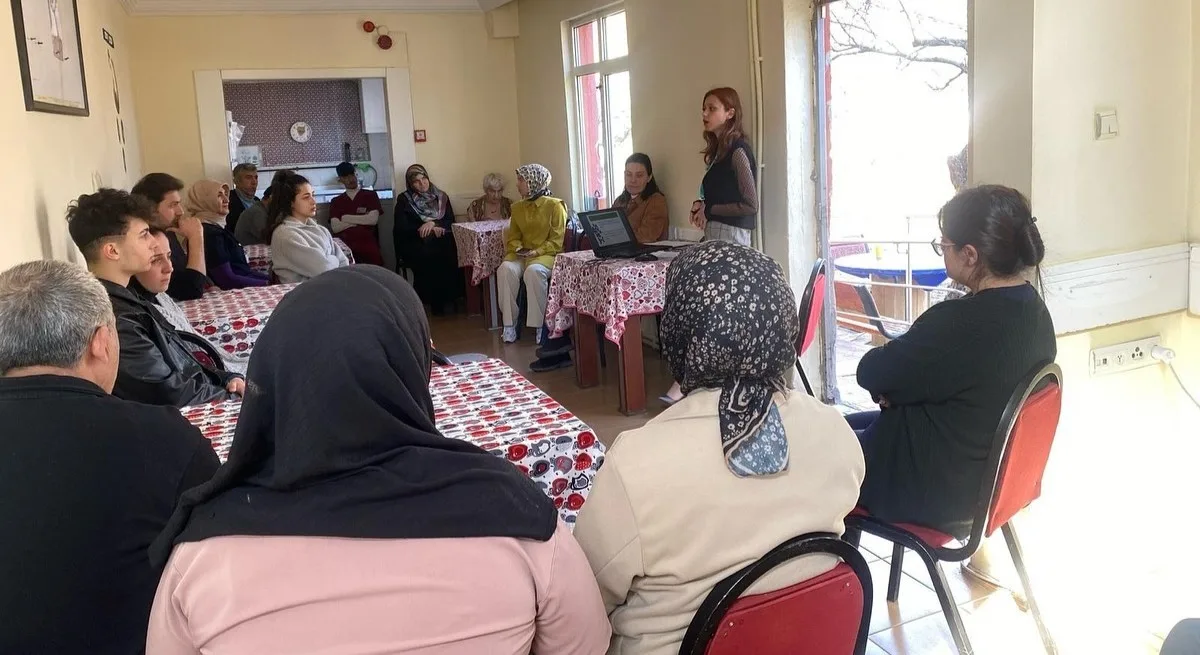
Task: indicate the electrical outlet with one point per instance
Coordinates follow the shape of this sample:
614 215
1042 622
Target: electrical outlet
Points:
1124 356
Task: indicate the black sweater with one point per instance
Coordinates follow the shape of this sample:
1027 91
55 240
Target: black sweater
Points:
87 481
947 380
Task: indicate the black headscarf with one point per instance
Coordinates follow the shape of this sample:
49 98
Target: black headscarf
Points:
337 438
730 323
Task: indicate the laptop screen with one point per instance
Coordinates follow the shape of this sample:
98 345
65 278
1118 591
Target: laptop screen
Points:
608 228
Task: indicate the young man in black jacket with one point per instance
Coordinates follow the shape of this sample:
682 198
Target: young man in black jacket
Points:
87 481
111 228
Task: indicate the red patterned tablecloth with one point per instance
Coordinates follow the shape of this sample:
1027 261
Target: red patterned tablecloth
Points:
232 320
480 246
259 256
494 407
608 290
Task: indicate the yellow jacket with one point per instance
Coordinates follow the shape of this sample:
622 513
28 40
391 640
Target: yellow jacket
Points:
538 225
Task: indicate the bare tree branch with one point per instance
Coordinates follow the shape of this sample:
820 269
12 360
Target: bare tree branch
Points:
930 40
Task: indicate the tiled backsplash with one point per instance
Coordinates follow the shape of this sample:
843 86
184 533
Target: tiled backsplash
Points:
332 109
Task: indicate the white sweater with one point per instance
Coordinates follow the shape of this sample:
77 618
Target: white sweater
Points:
300 251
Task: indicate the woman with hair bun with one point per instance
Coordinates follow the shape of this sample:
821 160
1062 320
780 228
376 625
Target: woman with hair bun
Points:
943 385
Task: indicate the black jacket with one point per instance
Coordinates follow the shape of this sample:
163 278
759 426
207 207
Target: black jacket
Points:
236 207
157 366
87 481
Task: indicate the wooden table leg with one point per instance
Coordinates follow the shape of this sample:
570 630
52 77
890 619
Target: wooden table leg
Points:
474 294
587 351
487 294
631 369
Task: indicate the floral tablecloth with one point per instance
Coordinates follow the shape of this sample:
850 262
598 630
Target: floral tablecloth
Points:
232 320
259 255
480 246
608 290
492 406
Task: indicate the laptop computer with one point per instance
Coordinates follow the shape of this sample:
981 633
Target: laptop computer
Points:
611 235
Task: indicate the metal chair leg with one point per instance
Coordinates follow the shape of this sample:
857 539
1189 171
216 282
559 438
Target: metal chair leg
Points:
804 379
897 573
1014 549
958 631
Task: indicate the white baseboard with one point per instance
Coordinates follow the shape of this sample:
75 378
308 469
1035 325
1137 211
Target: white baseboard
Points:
1092 293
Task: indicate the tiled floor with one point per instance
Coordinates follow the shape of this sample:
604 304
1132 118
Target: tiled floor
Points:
1084 622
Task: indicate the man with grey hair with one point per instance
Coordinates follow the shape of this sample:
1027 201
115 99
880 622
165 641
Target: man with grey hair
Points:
86 480
244 196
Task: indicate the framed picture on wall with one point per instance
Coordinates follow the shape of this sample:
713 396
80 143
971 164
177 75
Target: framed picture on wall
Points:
50 52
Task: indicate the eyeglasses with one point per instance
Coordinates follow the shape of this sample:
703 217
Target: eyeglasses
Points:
940 244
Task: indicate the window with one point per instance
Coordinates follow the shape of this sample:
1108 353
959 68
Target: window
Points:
602 125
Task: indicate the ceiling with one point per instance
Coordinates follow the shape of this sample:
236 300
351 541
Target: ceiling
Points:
174 7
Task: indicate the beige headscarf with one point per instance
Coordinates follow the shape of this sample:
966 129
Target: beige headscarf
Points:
203 201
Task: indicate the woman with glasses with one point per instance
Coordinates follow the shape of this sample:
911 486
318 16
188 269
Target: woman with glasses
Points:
942 386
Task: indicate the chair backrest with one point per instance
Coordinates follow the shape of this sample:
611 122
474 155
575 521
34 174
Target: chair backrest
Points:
826 615
1020 450
811 304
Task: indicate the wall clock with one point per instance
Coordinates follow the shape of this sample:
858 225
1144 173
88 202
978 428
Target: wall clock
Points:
301 132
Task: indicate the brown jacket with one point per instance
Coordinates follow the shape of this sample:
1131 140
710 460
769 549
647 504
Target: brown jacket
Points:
648 218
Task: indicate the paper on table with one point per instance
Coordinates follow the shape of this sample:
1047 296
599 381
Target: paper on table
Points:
673 244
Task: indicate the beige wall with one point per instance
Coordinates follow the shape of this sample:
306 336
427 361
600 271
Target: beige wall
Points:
50 159
1100 197
1194 133
463 81
674 58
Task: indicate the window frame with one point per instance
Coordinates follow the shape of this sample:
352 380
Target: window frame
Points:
603 68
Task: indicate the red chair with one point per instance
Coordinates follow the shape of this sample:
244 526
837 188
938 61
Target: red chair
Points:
826 615
1012 481
811 304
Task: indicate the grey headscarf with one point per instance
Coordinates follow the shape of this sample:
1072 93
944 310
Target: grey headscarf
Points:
730 323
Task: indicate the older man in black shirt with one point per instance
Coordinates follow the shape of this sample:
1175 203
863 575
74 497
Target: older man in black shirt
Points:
86 480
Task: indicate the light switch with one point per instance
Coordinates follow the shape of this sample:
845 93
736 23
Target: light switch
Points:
1106 124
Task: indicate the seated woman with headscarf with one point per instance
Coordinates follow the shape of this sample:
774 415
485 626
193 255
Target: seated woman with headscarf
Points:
534 236
225 258
424 241
736 468
355 526
493 205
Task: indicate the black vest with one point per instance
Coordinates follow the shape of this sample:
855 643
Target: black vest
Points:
721 185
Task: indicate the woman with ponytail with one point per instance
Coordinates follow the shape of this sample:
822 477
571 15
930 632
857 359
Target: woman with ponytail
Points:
943 385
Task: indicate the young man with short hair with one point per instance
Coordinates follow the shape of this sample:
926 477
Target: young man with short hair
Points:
245 188
354 215
112 229
152 285
187 234
87 481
